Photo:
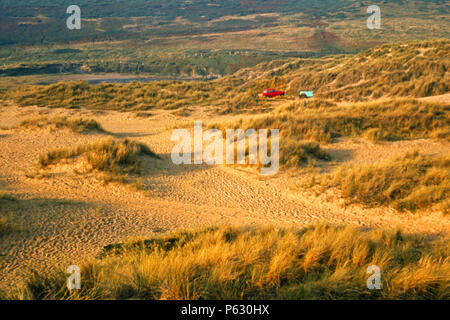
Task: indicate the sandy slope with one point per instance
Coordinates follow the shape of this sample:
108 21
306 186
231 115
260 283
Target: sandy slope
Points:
68 217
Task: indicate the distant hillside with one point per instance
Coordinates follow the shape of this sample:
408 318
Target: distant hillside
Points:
200 37
271 24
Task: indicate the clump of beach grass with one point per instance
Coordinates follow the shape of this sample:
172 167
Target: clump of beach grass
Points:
411 182
113 156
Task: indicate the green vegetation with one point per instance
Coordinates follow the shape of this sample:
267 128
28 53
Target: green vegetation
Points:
411 182
317 262
117 158
133 58
76 125
43 22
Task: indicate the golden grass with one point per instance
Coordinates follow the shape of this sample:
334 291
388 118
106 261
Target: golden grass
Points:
322 121
391 70
305 123
79 125
294 152
116 157
143 114
317 262
394 70
128 97
411 182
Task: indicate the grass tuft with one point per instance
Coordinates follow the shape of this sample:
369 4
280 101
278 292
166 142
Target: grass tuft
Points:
116 157
410 182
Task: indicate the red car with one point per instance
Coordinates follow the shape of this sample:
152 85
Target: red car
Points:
270 93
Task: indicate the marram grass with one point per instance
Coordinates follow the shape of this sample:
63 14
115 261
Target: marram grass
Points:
117 158
413 181
317 262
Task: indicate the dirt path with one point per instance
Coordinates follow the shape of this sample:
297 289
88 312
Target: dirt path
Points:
68 217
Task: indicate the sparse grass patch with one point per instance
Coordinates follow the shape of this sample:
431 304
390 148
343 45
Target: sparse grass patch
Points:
118 158
293 152
143 114
317 262
76 124
242 101
310 104
183 112
410 182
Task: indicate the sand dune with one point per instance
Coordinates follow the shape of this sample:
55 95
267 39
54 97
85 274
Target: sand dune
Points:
68 217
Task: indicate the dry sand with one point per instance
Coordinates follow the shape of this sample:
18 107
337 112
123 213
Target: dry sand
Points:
68 217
